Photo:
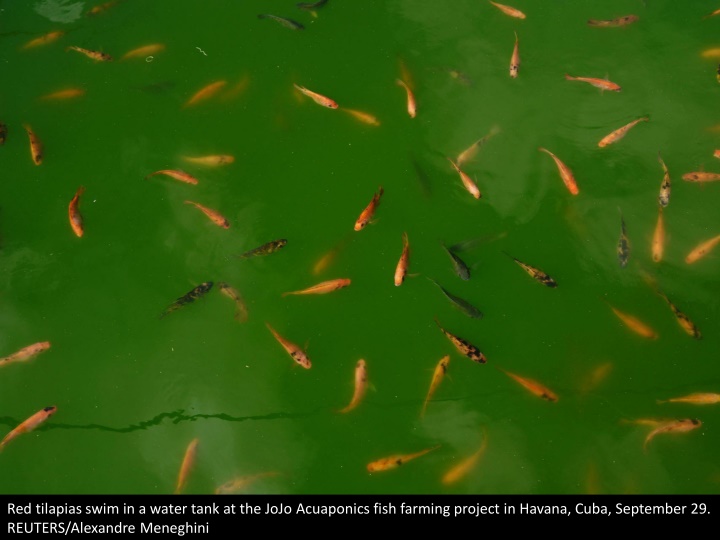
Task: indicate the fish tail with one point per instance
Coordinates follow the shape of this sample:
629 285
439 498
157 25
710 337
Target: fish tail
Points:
80 191
380 192
405 239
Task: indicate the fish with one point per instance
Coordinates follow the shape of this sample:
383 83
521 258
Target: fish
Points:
678 426
28 425
535 273
565 173
68 93
44 39
205 93
241 314
634 324
360 386
682 319
515 60
3 133
464 347
36 147
317 98
76 220
102 7
144 51
602 84
596 376
323 288
471 151
182 176
716 154
241 482
701 250
363 117
699 398
463 305
658 241
620 21
265 249
470 186
460 470
411 104
197 292
324 262
237 89
711 53
210 161
664 196
623 245
393 462
26 353
620 132
507 10
94 55
534 386
367 214
293 350
438 376
287 23
402 265
701 176
461 269
214 216
716 12
187 464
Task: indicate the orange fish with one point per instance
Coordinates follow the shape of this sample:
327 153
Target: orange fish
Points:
241 313
363 117
242 482
565 173
360 386
596 376
716 12
367 214
68 93
209 161
317 98
515 59
236 90
411 105
102 7
323 288
658 242
94 55
402 265
177 175
438 375
465 348
635 324
701 176
44 40
620 21
678 426
28 425
36 148
293 350
323 262
702 250
507 10
467 181
214 216
716 154
392 462
187 464
76 220
144 51
602 84
466 465
695 399
26 353
534 386
206 92
620 132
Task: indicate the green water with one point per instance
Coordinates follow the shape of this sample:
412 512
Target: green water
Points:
132 390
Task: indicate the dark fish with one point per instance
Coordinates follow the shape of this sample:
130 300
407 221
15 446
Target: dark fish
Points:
3 133
465 348
265 249
190 297
288 23
539 275
682 319
664 197
311 5
466 245
464 306
461 269
623 246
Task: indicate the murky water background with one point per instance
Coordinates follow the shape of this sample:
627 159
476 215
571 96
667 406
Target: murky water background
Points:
133 390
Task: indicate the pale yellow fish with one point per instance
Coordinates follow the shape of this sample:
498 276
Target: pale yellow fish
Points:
699 398
508 10
242 482
26 353
187 464
44 40
470 186
465 466
98 56
676 426
515 59
471 151
711 53
703 249
658 242
360 386
144 51
210 161
367 118
392 462
438 376
533 386
635 324
411 104
205 93
322 288
182 176
620 132
68 93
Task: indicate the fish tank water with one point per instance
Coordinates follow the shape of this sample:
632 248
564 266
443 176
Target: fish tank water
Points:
530 306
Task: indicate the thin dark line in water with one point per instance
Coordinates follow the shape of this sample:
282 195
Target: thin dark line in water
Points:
176 416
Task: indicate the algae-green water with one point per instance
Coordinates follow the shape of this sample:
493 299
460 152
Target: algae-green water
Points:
132 389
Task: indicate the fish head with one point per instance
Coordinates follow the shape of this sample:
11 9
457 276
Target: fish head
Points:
49 411
360 224
301 358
